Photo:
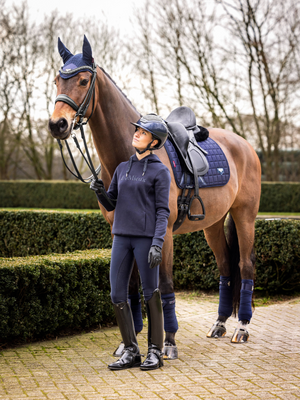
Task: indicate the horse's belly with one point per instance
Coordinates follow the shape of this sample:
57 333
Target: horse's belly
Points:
217 202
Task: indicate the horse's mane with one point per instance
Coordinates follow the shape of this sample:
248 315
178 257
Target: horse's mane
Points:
127 99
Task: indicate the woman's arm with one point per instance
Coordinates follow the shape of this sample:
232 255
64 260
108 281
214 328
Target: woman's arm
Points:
162 191
107 198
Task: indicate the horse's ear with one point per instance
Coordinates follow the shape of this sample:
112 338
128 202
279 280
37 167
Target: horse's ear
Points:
87 51
63 51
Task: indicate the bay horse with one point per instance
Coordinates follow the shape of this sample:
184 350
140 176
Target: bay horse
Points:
110 115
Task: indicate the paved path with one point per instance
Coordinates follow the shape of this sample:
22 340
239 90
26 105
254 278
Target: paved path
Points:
267 367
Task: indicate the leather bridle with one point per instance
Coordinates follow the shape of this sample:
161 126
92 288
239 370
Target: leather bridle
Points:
80 116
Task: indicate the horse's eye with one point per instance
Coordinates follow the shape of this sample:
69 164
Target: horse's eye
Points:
84 82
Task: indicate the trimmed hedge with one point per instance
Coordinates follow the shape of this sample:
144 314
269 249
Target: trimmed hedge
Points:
44 294
276 197
277 255
277 246
24 233
277 249
194 264
280 197
47 194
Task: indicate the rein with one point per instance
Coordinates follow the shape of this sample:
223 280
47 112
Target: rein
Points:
80 113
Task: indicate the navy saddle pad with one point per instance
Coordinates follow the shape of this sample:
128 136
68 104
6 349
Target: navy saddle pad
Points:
217 175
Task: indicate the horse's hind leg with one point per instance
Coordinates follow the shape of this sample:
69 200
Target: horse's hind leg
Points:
216 239
244 219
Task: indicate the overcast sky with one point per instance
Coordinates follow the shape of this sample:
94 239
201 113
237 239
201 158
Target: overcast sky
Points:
118 12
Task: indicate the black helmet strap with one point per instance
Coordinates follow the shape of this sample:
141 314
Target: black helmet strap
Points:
146 149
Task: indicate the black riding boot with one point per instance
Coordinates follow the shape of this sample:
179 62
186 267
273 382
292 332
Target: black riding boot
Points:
131 356
154 357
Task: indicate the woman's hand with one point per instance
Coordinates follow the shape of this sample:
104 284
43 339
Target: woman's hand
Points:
96 186
154 256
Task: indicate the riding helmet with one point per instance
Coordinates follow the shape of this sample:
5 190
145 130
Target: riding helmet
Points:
156 125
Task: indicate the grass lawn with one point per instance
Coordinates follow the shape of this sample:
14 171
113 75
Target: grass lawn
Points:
279 214
51 210
260 214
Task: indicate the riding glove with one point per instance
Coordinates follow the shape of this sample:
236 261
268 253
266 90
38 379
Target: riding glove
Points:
102 196
96 186
154 256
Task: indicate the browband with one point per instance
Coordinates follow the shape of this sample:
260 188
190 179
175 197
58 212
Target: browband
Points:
74 71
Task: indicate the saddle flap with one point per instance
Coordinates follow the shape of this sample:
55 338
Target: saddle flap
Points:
198 161
180 137
191 153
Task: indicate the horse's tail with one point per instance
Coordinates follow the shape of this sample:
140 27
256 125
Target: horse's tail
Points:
234 257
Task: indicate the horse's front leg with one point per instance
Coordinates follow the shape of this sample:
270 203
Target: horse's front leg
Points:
166 287
215 237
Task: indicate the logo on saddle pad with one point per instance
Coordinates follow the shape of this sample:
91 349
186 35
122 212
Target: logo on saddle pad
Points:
221 171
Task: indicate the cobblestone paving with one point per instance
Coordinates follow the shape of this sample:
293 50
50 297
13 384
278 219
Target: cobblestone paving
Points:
267 367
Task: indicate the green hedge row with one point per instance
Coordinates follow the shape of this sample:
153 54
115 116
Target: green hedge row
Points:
277 245
47 194
280 197
44 294
276 197
24 233
277 250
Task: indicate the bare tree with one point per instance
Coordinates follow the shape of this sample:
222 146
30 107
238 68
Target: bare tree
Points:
236 64
269 32
20 56
190 62
10 133
29 62
141 46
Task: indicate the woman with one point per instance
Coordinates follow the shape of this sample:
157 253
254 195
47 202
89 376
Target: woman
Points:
139 193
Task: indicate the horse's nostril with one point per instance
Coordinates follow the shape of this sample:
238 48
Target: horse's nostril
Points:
58 129
62 125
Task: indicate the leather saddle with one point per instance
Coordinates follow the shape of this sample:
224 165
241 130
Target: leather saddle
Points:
182 127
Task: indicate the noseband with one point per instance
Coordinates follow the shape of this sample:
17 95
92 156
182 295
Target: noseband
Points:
80 115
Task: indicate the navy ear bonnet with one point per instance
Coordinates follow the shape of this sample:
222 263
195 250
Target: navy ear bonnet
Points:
78 63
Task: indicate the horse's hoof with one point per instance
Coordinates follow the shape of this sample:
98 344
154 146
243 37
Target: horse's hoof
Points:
241 335
119 350
218 330
170 351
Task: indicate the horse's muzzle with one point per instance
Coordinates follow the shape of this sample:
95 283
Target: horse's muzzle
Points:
59 129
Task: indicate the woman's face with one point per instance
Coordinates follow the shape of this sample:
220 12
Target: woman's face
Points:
142 138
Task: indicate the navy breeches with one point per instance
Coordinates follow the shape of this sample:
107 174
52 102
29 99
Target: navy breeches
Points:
124 250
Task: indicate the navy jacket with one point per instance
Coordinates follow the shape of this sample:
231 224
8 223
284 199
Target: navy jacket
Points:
141 188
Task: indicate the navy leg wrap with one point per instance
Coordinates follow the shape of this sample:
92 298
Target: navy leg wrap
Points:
245 310
170 320
225 299
136 309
